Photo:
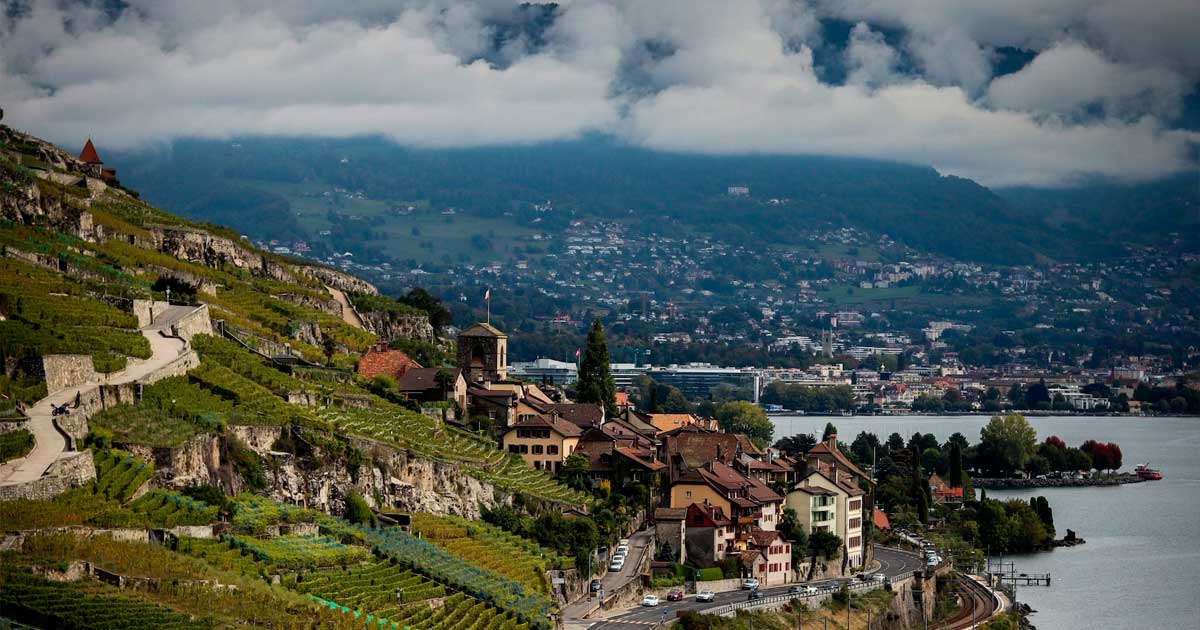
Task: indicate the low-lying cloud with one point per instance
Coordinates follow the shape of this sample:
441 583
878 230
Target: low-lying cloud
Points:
1099 98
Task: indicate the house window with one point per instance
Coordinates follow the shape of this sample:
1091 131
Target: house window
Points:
537 449
689 494
524 449
552 449
856 504
537 464
513 448
855 523
854 542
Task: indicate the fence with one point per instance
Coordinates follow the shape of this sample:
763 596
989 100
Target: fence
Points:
821 594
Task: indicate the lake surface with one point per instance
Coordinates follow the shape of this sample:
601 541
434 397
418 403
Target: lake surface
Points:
1140 567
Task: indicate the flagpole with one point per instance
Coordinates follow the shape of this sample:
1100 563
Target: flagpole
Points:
487 297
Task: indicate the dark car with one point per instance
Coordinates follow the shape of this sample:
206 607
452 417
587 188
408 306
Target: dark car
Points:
754 594
595 585
675 595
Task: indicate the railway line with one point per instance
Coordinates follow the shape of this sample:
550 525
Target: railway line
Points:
977 604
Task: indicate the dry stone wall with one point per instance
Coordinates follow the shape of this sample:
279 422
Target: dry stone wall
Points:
67 370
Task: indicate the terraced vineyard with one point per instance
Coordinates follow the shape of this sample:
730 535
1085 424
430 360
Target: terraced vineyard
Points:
167 509
398 426
47 604
491 548
428 559
119 475
380 588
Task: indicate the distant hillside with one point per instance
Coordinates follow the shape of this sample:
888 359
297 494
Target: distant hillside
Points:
267 187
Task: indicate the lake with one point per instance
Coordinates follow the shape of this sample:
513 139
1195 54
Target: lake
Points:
1140 567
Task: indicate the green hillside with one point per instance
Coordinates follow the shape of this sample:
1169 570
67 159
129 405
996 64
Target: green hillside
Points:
74 255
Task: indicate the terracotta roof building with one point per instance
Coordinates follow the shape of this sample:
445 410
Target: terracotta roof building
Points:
382 361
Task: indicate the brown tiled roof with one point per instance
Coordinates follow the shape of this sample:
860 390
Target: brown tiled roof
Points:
645 458
423 379
668 421
561 427
748 445
761 538
825 449
582 414
763 493
698 447
810 489
670 514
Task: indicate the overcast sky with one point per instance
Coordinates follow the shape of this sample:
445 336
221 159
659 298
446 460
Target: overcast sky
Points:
918 78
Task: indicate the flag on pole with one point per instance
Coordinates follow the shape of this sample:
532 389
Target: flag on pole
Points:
487 295
576 354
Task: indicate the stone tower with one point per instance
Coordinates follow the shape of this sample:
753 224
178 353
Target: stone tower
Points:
483 354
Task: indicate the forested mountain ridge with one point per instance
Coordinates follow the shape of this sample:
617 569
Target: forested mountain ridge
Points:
252 183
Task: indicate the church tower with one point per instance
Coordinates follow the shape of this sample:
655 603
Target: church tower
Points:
483 354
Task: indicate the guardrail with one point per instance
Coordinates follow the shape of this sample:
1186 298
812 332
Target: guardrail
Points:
769 600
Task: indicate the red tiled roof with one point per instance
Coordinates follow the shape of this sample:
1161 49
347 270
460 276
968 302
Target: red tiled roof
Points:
640 457
89 155
393 363
763 493
880 519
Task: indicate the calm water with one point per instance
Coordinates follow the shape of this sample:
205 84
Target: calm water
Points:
1140 568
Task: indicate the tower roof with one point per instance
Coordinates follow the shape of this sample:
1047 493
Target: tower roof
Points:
89 155
482 330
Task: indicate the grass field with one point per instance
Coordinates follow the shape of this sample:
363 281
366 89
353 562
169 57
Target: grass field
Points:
424 234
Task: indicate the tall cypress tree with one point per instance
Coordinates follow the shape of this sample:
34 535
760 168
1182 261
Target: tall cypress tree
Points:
920 493
595 377
956 469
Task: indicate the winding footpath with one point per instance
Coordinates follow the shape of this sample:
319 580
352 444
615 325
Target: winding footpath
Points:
49 443
349 315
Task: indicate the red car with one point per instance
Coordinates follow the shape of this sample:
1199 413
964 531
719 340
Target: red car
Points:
675 595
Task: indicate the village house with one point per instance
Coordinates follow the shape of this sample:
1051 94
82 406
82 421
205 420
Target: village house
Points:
544 442
423 385
771 558
708 534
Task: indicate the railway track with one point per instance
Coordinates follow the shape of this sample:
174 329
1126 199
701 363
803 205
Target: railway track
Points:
973 596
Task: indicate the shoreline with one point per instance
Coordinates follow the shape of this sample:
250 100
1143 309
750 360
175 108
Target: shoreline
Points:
992 483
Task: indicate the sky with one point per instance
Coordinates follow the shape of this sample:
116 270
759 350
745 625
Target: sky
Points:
1100 92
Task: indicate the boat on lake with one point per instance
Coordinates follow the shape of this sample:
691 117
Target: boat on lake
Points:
1144 471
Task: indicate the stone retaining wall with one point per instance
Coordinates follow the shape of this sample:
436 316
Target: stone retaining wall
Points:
67 370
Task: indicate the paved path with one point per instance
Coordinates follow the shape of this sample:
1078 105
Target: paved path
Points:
892 563
349 315
50 444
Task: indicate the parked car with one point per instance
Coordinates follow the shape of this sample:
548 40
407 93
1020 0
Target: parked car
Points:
616 565
749 584
754 594
878 577
595 586
624 542
675 595
802 590
650 600
705 596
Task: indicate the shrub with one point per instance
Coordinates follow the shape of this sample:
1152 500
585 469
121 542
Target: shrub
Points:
15 444
358 512
712 573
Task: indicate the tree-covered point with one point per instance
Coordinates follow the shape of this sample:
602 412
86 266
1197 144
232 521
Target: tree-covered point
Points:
746 418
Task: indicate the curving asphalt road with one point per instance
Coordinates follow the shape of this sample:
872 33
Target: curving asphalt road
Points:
892 563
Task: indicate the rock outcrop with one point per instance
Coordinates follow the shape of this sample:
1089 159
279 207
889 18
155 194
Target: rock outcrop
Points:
391 326
389 477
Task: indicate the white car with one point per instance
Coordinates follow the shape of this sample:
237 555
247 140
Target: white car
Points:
705 596
749 584
624 542
616 565
809 590
650 600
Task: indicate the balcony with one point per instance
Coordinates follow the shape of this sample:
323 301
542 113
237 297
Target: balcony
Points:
822 517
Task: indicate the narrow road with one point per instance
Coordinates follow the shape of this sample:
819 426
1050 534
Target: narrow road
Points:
348 313
893 563
573 615
49 443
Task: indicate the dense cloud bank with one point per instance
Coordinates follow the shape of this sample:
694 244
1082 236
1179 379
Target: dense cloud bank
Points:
1101 95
